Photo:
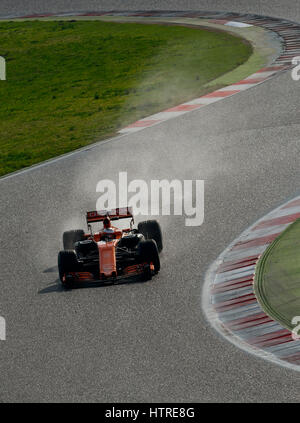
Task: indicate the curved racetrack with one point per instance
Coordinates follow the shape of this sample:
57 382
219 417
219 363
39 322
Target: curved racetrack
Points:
146 342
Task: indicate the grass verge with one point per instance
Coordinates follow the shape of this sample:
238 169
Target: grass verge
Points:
70 83
277 279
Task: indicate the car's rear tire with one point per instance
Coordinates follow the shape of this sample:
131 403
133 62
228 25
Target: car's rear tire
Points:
148 253
70 237
67 262
151 230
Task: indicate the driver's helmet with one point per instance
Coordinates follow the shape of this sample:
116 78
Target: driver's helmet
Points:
108 232
106 223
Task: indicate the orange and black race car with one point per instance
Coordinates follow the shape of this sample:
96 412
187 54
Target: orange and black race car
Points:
110 254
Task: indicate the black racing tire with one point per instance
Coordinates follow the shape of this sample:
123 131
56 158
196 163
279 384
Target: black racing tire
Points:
148 253
70 237
151 230
67 262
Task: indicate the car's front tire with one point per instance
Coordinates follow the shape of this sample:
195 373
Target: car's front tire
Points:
148 253
67 262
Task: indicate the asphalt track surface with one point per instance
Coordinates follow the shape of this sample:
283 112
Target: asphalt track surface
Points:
146 342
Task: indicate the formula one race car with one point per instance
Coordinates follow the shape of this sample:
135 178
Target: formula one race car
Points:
110 254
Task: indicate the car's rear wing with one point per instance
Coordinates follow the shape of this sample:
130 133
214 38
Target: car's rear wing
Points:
115 214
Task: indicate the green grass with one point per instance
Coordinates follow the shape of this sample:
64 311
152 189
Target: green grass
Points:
277 281
70 83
